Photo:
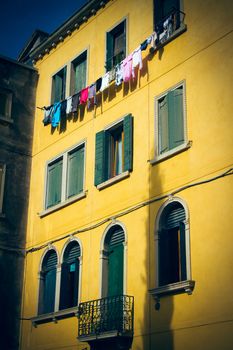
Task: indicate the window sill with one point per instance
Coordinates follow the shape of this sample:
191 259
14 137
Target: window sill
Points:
6 120
173 288
113 180
63 204
174 35
54 316
172 153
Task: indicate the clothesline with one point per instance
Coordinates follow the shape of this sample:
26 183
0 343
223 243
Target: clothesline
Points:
122 72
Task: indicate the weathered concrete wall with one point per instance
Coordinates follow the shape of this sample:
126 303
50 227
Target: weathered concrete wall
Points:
15 152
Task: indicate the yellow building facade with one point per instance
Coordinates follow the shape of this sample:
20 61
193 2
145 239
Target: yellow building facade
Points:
129 224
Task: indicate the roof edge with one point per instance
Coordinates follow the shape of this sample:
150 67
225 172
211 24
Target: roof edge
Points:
73 23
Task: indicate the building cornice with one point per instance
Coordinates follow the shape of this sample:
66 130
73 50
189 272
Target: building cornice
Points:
67 28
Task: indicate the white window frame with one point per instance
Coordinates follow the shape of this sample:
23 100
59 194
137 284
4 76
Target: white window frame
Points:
9 97
181 286
64 200
3 169
186 144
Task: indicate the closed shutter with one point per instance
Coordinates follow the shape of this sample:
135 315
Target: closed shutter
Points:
54 180
128 142
109 56
176 118
48 283
100 158
59 86
80 73
163 125
116 262
75 172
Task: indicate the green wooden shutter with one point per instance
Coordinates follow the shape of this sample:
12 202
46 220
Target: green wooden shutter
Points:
176 117
49 291
163 141
109 56
128 142
75 172
54 182
183 276
100 158
80 73
115 270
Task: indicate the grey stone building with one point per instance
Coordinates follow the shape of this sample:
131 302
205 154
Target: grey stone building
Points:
17 105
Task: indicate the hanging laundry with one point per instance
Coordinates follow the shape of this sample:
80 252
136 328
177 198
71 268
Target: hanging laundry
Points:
75 102
152 39
144 45
112 74
91 95
63 108
84 95
137 60
127 68
56 117
119 74
98 84
105 82
68 105
47 115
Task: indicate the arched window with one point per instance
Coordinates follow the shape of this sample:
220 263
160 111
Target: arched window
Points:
172 248
70 271
47 282
113 262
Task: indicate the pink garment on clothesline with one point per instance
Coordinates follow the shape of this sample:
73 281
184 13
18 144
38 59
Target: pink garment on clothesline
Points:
127 68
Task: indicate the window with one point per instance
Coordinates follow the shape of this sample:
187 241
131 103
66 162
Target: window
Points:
170 122
48 283
5 104
166 17
70 276
114 150
65 177
2 181
78 73
172 250
59 86
172 244
116 45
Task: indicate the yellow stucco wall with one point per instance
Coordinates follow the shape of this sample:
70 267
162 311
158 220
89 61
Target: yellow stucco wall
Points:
202 58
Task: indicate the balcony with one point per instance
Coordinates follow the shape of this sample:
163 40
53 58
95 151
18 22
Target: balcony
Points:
169 28
108 319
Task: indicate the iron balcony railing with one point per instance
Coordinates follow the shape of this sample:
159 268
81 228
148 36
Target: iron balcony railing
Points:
111 316
169 25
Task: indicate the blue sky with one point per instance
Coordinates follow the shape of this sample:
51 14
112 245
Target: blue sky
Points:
19 19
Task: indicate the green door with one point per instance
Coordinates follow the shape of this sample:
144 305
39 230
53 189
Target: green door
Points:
115 270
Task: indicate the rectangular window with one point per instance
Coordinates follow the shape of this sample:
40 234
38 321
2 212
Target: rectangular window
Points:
116 45
78 73
65 177
114 150
170 121
2 181
59 86
5 103
167 18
